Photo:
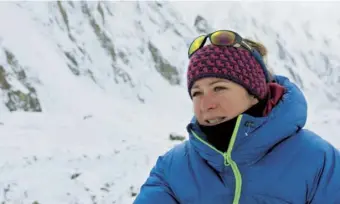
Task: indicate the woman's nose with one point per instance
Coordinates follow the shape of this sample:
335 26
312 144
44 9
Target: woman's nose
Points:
208 103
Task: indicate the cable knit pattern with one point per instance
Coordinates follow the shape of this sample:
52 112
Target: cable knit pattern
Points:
235 64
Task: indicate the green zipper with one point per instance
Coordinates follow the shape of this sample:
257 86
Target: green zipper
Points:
228 159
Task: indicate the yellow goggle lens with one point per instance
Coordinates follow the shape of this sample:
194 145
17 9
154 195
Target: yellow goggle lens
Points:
195 45
223 38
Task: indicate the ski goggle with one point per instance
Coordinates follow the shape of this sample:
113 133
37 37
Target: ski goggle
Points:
227 38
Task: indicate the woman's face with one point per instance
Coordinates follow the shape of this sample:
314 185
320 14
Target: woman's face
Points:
217 100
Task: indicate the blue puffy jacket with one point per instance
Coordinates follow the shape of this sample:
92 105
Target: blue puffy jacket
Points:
270 160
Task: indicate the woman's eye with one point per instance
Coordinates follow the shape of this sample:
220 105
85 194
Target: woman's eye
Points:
196 93
219 88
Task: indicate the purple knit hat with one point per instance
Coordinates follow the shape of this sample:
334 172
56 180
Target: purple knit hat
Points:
235 64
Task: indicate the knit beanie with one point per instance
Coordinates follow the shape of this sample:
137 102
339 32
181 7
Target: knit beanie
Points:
235 64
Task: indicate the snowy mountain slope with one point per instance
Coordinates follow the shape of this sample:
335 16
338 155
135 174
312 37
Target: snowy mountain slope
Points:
89 44
58 159
95 88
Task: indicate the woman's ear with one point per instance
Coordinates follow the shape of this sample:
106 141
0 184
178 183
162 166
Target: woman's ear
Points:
253 100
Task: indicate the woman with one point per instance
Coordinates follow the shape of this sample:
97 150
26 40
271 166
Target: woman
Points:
247 139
